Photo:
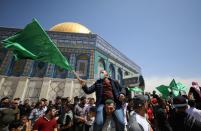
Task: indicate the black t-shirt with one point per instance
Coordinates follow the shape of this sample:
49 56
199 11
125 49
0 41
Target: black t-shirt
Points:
25 110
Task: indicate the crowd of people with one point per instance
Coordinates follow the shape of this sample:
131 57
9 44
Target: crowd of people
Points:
111 110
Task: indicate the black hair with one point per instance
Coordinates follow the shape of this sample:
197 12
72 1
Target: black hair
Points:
49 109
191 103
68 120
15 124
16 99
92 109
4 98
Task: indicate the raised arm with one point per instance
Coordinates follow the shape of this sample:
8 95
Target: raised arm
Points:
87 90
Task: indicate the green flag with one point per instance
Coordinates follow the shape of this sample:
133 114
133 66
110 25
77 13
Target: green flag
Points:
135 89
172 84
175 92
176 87
173 87
163 90
34 43
180 86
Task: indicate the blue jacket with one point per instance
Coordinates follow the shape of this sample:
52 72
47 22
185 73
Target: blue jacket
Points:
98 88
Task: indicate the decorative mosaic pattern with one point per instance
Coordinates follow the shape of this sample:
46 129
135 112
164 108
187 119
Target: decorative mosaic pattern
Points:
33 89
28 67
56 89
77 91
3 53
17 67
6 63
60 72
39 69
50 70
72 63
9 87
82 65
91 66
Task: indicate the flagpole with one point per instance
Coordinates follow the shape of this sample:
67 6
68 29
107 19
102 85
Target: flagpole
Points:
77 76
75 73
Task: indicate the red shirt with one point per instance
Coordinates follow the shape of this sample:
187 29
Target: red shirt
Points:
150 114
43 124
107 90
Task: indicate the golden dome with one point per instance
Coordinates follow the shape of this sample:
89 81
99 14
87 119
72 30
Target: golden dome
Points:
70 27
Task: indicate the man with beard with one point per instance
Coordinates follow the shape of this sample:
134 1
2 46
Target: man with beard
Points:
46 122
25 109
7 113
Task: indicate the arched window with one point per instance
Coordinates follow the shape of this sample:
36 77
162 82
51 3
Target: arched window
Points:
101 65
17 67
60 72
82 66
3 52
112 71
39 69
126 73
120 76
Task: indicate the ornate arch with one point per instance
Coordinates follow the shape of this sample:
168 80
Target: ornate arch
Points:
120 76
39 69
17 67
126 73
60 72
112 71
82 65
3 53
101 65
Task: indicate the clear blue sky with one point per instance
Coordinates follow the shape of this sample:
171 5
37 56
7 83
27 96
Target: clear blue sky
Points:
161 36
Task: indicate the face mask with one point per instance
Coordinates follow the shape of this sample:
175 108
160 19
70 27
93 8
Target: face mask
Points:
102 76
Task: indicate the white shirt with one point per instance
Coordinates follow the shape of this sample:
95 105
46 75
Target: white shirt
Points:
194 113
143 122
109 124
125 111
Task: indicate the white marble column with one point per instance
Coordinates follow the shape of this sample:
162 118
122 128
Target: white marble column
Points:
21 88
45 88
2 79
68 91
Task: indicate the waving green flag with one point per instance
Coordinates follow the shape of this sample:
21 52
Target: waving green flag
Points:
135 89
173 84
176 87
163 90
180 86
34 43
